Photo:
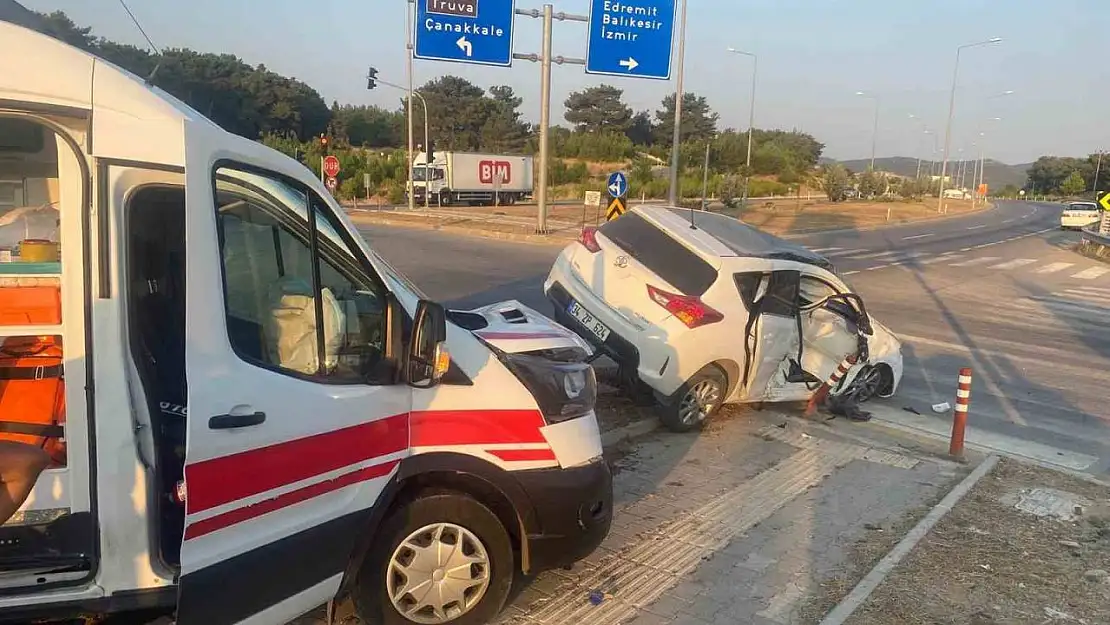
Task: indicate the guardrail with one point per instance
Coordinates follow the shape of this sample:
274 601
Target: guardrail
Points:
1096 244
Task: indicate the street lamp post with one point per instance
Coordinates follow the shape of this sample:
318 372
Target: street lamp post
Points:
1098 168
679 95
409 51
875 128
951 112
427 144
920 143
751 127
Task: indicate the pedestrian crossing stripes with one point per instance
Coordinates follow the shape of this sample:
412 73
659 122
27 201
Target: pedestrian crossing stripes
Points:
1091 273
982 260
941 259
1014 264
1054 267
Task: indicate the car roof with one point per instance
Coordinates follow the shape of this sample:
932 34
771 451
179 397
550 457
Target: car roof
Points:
1091 204
722 236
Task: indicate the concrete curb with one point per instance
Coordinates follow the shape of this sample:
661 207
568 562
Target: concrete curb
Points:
612 438
868 584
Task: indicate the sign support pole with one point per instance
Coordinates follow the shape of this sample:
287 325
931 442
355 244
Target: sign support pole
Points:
679 96
545 117
545 59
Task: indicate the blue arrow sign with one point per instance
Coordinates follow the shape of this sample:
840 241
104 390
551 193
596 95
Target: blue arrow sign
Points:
631 38
465 31
618 184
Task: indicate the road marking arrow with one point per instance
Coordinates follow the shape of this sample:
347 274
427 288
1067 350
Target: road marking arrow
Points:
631 63
1105 201
465 46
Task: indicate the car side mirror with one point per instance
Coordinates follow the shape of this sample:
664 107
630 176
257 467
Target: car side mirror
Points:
426 357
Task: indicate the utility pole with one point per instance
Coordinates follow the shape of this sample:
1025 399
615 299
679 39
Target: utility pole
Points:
705 177
680 94
751 128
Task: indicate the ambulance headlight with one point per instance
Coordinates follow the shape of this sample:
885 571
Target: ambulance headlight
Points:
563 390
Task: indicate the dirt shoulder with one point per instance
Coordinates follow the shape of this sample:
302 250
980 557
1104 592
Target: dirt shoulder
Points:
1026 545
779 217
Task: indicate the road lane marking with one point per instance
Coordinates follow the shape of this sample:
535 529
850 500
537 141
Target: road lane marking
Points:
847 252
876 255
1014 264
978 247
977 227
825 249
941 259
1091 273
917 236
1007 221
976 261
1093 290
849 273
1054 267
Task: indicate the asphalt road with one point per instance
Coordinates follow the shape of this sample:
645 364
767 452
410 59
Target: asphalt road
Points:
999 291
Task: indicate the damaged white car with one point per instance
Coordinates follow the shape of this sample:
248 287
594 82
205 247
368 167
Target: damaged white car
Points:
705 310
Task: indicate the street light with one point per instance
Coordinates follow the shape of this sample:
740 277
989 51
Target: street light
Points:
982 162
951 111
751 126
875 130
920 143
372 81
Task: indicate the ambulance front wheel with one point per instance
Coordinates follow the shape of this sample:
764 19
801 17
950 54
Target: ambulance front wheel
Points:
442 558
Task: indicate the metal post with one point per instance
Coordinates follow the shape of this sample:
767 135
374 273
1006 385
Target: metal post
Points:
545 117
982 163
1098 167
705 177
951 111
427 152
409 48
875 135
679 95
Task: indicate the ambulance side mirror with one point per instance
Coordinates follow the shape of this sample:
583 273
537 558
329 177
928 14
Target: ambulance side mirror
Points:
426 357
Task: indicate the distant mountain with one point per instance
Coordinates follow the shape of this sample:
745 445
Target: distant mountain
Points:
995 174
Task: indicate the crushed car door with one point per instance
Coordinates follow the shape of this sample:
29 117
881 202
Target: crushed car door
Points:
834 326
294 423
771 344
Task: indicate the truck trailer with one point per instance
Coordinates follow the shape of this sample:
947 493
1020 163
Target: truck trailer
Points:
471 178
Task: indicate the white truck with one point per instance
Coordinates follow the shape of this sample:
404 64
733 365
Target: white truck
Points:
472 178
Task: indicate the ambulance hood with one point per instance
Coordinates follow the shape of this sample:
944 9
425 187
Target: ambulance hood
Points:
515 328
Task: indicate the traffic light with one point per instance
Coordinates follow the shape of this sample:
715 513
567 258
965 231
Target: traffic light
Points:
372 78
324 143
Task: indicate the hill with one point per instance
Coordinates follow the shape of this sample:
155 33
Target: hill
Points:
996 174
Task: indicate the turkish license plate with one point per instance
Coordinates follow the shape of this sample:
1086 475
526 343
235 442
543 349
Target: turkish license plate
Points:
584 317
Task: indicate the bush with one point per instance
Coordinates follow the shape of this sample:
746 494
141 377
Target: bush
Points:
396 192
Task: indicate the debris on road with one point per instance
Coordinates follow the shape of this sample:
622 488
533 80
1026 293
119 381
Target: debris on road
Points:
1039 560
942 407
911 409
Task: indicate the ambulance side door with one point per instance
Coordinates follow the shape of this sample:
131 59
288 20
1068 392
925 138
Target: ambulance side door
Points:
295 425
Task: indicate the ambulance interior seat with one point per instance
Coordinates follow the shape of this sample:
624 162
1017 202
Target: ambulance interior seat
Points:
156 310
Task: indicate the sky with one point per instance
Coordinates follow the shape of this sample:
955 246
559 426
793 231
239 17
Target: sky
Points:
814 56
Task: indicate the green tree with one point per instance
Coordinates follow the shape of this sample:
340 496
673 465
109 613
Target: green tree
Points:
465 117
598 109
699 122
872 183
835 182
640 130
1073 184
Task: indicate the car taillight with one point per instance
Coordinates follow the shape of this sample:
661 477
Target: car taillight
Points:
179 495
588 239
689 310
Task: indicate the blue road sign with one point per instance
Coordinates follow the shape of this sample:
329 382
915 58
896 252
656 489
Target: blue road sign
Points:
631 38
618 184
465 31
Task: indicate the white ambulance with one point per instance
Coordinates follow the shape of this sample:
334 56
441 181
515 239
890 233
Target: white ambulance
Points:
248 412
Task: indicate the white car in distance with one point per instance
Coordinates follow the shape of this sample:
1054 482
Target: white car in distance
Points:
1078 215
706 310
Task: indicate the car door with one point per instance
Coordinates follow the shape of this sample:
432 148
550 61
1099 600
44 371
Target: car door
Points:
771 332
294 424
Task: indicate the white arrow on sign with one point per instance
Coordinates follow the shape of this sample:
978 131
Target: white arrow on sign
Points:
631 63
465 46
615 189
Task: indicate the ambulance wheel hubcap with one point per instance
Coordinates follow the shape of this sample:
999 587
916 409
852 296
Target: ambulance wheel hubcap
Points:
438 573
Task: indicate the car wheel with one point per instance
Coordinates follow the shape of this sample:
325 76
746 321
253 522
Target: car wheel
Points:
696 400
442 558
869 383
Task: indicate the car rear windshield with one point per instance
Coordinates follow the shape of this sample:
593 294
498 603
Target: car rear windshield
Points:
1083 206
660 253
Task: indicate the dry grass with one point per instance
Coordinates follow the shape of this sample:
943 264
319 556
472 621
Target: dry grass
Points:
987 563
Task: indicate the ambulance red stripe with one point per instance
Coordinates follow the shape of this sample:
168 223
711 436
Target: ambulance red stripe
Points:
523 455
246 513
220 481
